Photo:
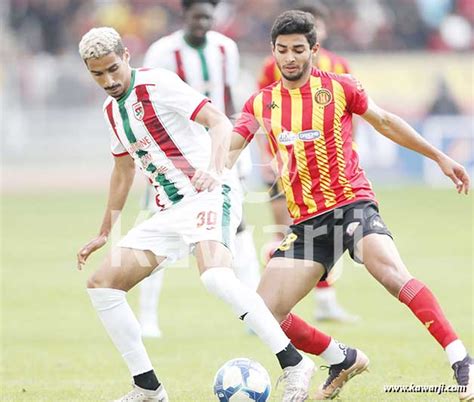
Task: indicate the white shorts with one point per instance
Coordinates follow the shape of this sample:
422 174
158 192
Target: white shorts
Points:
172 233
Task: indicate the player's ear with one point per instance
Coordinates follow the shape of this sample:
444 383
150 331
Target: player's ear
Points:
126 55
315 49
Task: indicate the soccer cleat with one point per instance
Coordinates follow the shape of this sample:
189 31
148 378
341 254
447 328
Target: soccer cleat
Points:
464 375
355 363
138 394
297 380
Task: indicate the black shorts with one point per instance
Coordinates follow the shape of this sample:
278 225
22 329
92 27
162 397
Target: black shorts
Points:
326 237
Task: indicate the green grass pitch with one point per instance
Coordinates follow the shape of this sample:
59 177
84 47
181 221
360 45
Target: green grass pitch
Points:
55 349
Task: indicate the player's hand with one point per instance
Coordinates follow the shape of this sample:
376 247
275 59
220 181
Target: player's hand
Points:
88 249
205 180
456 173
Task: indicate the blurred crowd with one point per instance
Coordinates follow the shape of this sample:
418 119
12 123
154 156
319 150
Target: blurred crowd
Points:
55 26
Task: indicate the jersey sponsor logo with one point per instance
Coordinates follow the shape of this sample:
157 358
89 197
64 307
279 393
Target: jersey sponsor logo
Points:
138 111
286 137
323 97
309 135
141 144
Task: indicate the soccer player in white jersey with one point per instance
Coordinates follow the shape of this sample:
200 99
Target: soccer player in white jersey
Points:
157 123
209 62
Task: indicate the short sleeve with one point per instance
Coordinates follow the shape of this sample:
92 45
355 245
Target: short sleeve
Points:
176 95
116 147
246 124
357 99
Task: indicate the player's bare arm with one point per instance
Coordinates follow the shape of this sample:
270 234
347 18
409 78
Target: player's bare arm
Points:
220 129
237 145
121 181
400 132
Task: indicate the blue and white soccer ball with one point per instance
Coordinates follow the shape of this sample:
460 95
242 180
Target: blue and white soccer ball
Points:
242 380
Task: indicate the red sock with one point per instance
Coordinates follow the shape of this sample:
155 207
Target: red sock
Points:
303 336
322 285
424 305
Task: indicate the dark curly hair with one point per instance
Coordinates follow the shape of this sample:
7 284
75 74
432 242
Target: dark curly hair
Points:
188 3
295 22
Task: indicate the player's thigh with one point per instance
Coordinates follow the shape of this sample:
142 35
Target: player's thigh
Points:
285 281
212 254
123 268
383 261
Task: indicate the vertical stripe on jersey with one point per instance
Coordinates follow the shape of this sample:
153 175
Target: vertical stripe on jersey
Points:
299 153
110 116
160 135
310 152
320 147
204 68
226 215
339 109
288 153
179 65
274 115
263 112
168 186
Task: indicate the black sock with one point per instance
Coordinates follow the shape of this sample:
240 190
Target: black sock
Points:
289 356
147 380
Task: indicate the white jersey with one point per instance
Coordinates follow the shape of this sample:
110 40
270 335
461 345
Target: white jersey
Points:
211 69
153 122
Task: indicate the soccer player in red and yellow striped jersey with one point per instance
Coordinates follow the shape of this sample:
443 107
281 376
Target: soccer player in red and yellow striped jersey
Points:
327 306
307 118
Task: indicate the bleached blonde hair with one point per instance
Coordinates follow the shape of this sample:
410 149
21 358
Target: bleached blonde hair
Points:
99 42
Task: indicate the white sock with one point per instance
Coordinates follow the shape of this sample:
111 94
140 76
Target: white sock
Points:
335 353
122 327
248 306
246 265
150 290
456 351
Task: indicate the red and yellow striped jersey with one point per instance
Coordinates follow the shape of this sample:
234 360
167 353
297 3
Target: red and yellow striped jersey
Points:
325 61
310 134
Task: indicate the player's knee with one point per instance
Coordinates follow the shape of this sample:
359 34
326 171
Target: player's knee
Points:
218 280
98 281
392 277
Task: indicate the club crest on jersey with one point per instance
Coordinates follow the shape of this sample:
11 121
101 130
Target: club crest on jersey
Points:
323 97
138 111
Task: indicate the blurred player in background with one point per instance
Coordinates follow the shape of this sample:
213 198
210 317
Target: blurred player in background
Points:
209 62
333 206
327 306
157 123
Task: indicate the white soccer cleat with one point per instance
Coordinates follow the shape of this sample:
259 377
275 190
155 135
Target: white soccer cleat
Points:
138 394
297 380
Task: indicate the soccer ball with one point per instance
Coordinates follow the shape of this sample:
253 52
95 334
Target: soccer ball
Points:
242 380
